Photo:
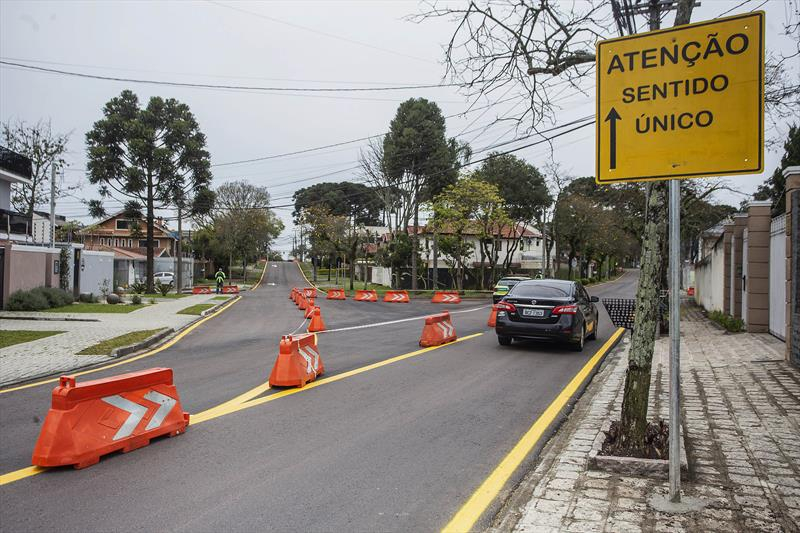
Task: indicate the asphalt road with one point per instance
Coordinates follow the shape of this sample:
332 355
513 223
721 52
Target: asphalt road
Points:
395 447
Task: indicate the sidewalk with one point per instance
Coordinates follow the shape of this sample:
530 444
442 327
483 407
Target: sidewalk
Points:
741 409
57 353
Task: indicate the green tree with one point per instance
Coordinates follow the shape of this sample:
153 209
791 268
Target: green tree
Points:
419 160
525 197
355 200
46 151
243 223
469 207
143 155
774 187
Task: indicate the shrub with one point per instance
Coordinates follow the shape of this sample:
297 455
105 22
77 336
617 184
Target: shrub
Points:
734 325
27 301
585 281
55 297
136 299
86 297
163 288
138 287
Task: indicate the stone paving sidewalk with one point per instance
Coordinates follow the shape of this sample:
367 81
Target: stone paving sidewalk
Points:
741 410
57 353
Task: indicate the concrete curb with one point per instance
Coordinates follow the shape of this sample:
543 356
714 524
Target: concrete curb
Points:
632 466
212 310
49 319
155 343
149 341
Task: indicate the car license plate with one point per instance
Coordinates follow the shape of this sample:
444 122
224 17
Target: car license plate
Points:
533 312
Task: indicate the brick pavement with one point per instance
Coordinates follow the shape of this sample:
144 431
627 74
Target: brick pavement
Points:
57 353
741 408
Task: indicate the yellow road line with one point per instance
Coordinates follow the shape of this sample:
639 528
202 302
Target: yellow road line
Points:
263 272
244 401
332 379
168 344
304 275
466 517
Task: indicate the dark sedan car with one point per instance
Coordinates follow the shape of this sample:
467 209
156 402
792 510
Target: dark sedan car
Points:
547 309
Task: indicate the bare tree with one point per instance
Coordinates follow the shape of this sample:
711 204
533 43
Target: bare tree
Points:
523 44
46 151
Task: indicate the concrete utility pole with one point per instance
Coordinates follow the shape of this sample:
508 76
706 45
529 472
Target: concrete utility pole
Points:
53 207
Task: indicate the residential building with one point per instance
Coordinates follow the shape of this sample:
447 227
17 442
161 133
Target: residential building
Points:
41 226
15 169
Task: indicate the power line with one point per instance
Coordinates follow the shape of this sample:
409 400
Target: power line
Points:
319 32
216 86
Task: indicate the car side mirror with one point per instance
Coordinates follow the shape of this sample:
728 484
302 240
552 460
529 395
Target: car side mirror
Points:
594 299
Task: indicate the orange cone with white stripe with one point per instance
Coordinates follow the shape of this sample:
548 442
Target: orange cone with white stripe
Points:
492 317
317 324
309 307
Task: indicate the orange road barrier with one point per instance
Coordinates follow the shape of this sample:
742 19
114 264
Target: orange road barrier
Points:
690 291
201 290
317 324
396 297
230 289
366 296
309 292
336 294
446 297
292 293
91 419
301 301
309 307
438 330
298 362
493 317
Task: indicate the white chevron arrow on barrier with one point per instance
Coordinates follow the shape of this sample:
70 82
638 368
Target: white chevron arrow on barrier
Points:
447 328
449 298
312 359
397 297
137 411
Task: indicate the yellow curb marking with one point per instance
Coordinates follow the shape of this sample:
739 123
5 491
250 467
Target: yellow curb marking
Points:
466 517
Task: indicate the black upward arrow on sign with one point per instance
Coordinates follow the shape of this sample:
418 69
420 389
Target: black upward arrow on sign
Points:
613 117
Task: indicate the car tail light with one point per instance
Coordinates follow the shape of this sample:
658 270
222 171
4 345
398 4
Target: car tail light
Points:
565 310
505 306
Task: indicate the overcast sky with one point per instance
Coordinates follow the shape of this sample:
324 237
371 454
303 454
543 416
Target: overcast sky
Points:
276 44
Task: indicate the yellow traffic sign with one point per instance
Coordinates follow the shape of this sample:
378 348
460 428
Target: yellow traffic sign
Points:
682 102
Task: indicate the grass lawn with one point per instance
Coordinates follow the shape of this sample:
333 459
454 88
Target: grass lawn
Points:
95 308
105 347
12 337
195 309
159 295
221 298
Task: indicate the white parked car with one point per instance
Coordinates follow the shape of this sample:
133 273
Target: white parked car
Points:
165 278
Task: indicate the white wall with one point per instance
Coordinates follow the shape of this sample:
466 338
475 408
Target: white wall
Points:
5 195
96 268
710 279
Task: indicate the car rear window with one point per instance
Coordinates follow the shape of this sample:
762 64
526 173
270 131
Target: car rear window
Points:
508 282
541 291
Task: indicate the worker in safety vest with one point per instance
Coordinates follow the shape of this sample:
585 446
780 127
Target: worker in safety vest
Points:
220 277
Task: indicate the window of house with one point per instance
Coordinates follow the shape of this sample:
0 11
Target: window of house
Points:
123 224
130 243
538 242
499 246
142 243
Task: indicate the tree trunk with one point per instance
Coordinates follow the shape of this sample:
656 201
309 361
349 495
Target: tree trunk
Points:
150 232
435 261
415 239
637 380
244 269
329 268
179 273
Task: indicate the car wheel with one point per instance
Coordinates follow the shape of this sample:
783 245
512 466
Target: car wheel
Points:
578 346
504 341
593 334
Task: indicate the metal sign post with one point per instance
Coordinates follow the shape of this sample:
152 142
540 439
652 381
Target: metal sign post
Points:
675 341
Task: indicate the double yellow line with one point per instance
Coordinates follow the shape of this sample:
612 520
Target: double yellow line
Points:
250 399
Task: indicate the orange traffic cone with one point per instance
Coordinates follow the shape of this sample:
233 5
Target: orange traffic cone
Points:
317 324
493 317
301 301
309 307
